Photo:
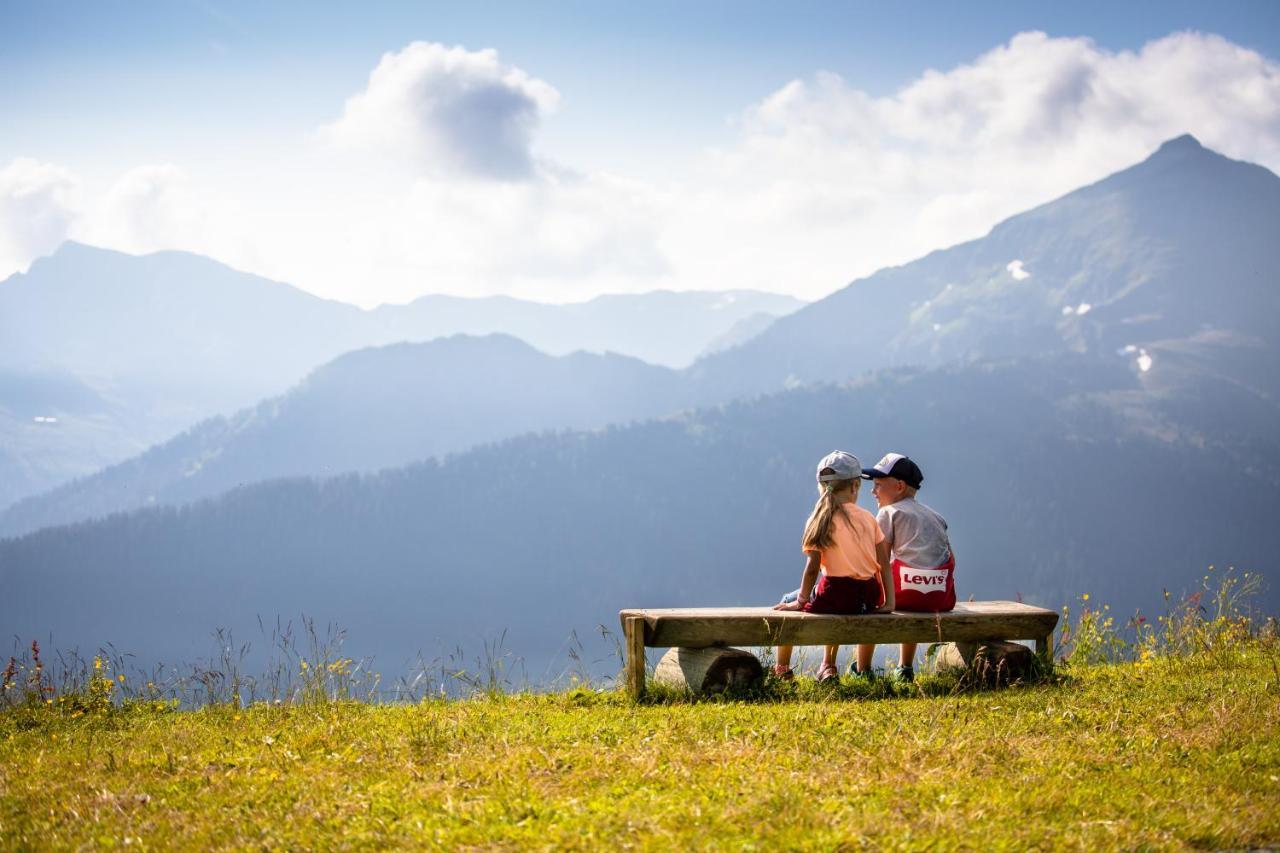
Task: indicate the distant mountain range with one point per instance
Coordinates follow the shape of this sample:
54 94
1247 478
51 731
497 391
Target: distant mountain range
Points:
1109 270
152 345
1090 390
370 409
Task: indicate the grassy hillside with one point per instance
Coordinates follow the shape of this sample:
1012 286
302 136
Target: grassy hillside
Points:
1178 746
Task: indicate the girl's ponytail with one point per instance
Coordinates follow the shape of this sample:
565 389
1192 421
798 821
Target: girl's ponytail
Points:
817 530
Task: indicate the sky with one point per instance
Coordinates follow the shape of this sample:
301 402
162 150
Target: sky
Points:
375 153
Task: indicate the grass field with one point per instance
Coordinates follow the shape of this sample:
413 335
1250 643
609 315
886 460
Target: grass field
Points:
1170 750
1166 753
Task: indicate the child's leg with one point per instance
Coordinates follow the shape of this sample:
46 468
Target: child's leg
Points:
784 657
908 657
865 651
829 655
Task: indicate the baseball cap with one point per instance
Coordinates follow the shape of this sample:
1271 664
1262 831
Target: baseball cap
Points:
844 465
898 466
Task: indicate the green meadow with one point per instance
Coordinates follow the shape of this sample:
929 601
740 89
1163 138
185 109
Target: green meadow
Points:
1159 736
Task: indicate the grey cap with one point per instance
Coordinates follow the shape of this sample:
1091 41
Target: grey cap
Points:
844 465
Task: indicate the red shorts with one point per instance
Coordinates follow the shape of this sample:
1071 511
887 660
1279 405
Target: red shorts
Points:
924 590
844 595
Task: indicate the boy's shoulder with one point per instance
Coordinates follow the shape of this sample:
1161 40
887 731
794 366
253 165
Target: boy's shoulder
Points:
910 506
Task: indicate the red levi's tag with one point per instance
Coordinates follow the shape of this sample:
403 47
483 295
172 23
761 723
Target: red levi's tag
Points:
924 590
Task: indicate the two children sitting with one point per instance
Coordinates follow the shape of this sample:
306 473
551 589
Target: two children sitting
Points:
899 559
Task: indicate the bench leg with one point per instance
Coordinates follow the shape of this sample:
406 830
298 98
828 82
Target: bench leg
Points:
1044 649
634 637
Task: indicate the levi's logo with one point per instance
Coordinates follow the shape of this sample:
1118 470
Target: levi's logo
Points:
924 580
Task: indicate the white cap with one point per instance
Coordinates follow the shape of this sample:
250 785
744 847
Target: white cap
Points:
844 465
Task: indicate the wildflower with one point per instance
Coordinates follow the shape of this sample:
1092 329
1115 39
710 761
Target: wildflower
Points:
1084 597
97 663
120 678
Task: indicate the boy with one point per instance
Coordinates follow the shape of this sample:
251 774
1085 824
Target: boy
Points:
923 564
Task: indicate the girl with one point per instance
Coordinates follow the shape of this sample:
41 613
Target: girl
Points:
848 561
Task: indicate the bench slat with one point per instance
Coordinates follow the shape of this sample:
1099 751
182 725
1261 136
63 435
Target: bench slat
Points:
764 626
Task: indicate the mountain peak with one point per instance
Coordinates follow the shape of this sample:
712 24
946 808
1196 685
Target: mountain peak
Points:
1180 150
1185 142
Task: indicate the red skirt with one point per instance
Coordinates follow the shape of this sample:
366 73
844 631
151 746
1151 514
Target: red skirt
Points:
845 595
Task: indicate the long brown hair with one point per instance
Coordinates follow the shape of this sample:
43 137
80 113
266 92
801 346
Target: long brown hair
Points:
817 530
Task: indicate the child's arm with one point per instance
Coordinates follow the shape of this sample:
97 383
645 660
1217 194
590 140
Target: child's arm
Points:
807 582
886 576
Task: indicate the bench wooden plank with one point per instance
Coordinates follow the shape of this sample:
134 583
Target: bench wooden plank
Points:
701 627
764 626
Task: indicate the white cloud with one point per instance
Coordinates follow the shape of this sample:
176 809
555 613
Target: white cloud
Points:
449 110
148 208
558 238
38 210
846 183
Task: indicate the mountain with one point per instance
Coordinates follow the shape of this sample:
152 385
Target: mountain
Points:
1165 267
152 343
163 341
1170 260
169 334
661 327
541 536
739 333
40 409
370 409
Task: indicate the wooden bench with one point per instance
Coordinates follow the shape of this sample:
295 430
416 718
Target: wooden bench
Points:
702 627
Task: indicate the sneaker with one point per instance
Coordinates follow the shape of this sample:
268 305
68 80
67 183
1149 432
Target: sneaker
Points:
783 673
828 673
869 675
906 673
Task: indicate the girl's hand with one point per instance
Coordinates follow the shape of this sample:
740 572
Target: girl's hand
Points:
788 605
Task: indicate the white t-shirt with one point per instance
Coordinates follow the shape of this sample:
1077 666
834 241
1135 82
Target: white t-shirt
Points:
916 535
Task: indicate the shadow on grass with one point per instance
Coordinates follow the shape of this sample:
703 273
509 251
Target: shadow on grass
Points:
771 689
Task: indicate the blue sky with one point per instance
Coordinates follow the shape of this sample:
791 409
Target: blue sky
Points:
677 72
214 110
